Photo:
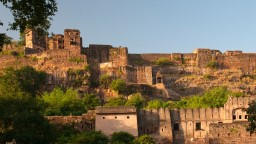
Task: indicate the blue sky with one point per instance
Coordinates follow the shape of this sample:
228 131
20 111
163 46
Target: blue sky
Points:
166 26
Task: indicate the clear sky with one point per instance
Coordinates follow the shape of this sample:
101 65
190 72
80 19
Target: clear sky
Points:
163 26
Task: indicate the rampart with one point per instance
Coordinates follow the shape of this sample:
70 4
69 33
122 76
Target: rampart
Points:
227 133
86 122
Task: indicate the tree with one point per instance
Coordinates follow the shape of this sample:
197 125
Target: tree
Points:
119 101
251 112
144 139
60 102
91 101
4 39
20 111
26 79
31 14
118 85
136 100
105 80
156 104
163 62
122 138
93 137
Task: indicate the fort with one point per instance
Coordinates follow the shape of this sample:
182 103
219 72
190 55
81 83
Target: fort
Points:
66 62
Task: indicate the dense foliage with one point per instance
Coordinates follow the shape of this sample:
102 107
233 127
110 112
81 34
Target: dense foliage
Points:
32 14
144 139
118 85
26 79
59 102
92 137
116 101
105 80
122 138
136 100
20 111
156 104
251 112
215 97
163 62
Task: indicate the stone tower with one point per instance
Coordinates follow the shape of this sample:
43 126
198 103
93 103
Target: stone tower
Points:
72 39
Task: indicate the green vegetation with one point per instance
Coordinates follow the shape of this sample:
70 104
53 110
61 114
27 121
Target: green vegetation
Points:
122 138
4 39
136 100
156 104
60 102
76 59
163 62
32 14
215 97
251 112
119 101
144 139
93 137
208 77
90 101
118 85
20 111
212 65
105 80
25 79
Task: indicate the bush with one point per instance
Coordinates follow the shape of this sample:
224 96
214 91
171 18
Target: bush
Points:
118 85
163 62
105 80
136 100
119 101
212 64
122 138
144 139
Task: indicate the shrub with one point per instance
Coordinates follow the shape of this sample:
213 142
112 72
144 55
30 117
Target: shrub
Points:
163 62
212 64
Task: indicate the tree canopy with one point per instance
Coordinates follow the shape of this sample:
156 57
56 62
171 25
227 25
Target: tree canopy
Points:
118 85
144 139
251 112
122 138
31 14
27 79
59 102
136 100
20 111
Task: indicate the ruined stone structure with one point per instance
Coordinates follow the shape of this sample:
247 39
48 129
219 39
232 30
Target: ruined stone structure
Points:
86 122
180 125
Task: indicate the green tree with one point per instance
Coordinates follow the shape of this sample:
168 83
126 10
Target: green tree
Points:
93 137
136 100
91 101
163 62
59 102
26 79
118 85
144 139
251 112
119 101
31 14
4 39
105 80
122 138
156 104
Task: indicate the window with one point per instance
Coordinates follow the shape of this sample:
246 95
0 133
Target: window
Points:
246 116
103 117
198 126
115 117
128 117
240 117
176 127
234 117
